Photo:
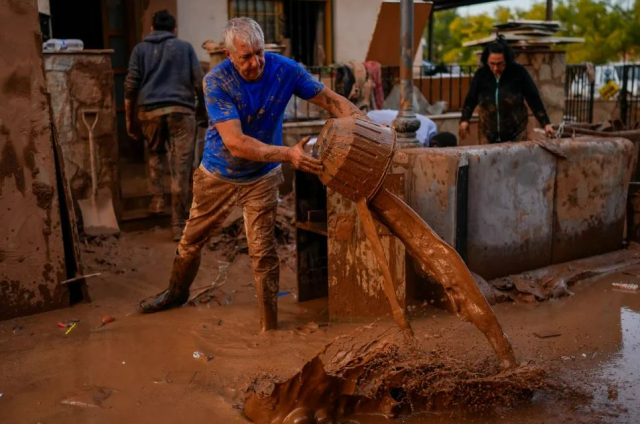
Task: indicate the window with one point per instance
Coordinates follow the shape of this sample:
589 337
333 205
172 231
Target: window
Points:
268 13
303 26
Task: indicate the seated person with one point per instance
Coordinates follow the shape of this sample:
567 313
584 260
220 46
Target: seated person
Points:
443 139
386 116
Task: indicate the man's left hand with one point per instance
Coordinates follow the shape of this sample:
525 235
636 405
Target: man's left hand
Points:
548 130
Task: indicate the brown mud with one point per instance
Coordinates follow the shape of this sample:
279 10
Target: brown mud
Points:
382 369
356 156
146 362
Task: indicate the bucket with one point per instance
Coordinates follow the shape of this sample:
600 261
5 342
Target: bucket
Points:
356 155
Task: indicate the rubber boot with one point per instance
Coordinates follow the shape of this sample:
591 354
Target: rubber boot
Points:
267 307
182 275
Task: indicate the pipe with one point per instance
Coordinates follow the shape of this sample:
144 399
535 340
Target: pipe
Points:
406 124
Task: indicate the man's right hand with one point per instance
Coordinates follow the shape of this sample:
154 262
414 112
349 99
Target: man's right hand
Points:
301 160
463 131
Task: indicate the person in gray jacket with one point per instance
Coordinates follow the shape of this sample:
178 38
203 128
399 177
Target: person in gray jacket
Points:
164 81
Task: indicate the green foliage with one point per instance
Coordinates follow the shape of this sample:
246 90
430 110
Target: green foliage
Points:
611 29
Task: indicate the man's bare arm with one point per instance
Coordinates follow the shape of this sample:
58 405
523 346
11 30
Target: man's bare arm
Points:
246 147
337 105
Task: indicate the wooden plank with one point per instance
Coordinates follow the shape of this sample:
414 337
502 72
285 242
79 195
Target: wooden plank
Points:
355 281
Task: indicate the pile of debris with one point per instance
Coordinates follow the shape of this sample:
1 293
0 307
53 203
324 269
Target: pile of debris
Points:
525 33
231 239
379 369
555 281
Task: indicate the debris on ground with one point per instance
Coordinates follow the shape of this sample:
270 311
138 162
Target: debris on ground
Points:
208 293
546 334
200 356
71 328
625 286
106 319
92 397
380 369
554 281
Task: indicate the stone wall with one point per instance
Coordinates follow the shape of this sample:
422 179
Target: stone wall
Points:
548 70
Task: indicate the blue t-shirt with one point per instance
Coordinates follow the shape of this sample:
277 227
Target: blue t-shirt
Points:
259 106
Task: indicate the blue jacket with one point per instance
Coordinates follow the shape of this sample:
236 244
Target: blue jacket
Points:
163 71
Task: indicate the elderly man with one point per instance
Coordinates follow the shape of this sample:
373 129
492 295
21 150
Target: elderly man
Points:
246 97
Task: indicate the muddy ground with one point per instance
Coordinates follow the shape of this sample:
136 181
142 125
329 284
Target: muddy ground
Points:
141 368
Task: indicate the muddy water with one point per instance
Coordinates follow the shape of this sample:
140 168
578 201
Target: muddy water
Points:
147 360
443 263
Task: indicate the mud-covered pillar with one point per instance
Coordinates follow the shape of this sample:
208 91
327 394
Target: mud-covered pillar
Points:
406 124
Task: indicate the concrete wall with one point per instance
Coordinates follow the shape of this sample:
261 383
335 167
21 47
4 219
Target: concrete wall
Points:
200 20
32 256
526 206
353 24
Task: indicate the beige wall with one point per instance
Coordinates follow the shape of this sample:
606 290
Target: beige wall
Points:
43 7
353 24
199 20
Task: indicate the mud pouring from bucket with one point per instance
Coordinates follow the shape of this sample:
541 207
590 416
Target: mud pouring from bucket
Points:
356 156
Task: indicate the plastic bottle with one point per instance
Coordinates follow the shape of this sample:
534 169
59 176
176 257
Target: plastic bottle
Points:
55 45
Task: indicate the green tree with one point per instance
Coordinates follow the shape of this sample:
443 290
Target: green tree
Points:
442 42
611 29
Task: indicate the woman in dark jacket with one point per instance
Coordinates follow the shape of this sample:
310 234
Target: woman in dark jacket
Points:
500 88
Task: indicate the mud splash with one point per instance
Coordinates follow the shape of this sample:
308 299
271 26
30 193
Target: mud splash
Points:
381 369
356 156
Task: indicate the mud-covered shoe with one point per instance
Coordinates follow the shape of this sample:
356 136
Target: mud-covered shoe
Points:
182 275
165 300
157 205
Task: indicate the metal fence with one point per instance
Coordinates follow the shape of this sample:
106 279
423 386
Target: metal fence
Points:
585 85
630 96
579 94
444 83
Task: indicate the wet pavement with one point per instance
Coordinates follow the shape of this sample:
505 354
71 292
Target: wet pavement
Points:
141 368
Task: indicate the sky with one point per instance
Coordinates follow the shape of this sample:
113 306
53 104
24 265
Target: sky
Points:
489 7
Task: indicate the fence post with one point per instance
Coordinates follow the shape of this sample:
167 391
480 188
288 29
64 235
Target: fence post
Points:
624 107
592 90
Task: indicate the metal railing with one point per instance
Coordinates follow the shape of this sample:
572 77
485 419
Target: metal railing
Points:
629 95
618 83
579 93
446 83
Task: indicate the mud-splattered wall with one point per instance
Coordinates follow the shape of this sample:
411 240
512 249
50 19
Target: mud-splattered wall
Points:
78 82
527 207
32 261
356 285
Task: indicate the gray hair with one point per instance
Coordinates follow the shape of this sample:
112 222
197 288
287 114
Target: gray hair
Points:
244 29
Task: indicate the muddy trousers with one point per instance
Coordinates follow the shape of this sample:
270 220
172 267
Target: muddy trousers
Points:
172 134
213 201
